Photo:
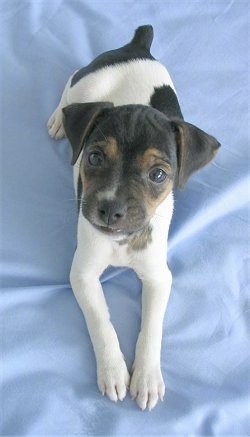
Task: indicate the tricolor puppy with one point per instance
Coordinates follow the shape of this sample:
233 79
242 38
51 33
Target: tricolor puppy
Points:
131 147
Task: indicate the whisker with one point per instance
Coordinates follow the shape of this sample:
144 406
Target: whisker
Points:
70 200
102 133
161 215
75 199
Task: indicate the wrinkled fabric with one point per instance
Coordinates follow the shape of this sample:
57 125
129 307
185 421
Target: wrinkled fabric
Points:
48 371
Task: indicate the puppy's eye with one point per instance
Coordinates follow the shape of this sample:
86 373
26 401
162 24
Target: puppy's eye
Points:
95 159
157 175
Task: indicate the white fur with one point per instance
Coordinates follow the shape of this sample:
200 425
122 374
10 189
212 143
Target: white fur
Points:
107 194
131 82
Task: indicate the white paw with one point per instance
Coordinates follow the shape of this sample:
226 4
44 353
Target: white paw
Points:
55 124
113 378
147 386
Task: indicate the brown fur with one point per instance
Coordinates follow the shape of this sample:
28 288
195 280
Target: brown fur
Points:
151 157
153 198
154 201
138 241
111 148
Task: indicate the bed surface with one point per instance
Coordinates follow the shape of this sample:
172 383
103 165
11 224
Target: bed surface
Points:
47 366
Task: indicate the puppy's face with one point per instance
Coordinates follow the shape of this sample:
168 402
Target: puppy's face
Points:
126 172
129 164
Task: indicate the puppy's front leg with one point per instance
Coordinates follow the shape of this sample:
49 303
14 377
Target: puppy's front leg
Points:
112 375
147 384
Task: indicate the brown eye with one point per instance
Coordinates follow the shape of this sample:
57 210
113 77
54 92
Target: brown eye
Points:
95 159
157 175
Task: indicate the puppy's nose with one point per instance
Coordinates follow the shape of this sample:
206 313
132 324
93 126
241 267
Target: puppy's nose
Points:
111 211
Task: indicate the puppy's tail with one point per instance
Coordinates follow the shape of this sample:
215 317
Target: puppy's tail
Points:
143 37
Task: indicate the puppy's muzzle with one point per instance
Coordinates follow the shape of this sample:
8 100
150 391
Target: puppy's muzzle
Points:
111 211
118 215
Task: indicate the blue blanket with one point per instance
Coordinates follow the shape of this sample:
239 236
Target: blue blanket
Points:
47 369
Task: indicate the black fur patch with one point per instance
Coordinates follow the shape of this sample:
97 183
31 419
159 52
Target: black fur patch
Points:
165 100
138 48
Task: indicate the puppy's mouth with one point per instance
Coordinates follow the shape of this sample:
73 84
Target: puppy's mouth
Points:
109 230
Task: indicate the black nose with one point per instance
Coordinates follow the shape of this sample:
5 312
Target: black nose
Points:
111 211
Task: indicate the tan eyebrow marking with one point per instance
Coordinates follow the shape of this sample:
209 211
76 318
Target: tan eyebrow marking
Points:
110 147
152 156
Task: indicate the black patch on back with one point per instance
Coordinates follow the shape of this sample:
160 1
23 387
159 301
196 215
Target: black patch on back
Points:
165 100
138 48
79 193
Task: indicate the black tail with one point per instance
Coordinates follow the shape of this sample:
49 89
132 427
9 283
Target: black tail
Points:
143 37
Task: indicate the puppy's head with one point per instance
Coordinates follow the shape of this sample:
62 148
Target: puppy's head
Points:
132 157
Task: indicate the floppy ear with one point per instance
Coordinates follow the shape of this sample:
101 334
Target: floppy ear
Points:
78 121
195 149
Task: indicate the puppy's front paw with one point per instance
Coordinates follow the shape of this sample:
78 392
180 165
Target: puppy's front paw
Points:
147 385
55 124
113 378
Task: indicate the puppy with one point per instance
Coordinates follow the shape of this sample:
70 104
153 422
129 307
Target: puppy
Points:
131 147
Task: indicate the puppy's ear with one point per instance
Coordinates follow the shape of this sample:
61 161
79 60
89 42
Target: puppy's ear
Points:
78 121
195 149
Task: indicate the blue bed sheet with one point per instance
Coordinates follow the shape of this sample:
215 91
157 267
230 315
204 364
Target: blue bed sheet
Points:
47 368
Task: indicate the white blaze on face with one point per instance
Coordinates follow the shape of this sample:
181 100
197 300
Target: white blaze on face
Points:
110 194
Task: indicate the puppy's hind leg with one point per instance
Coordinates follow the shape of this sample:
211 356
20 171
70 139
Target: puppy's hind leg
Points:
55 123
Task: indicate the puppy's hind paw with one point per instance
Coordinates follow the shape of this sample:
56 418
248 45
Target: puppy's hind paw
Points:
55 125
